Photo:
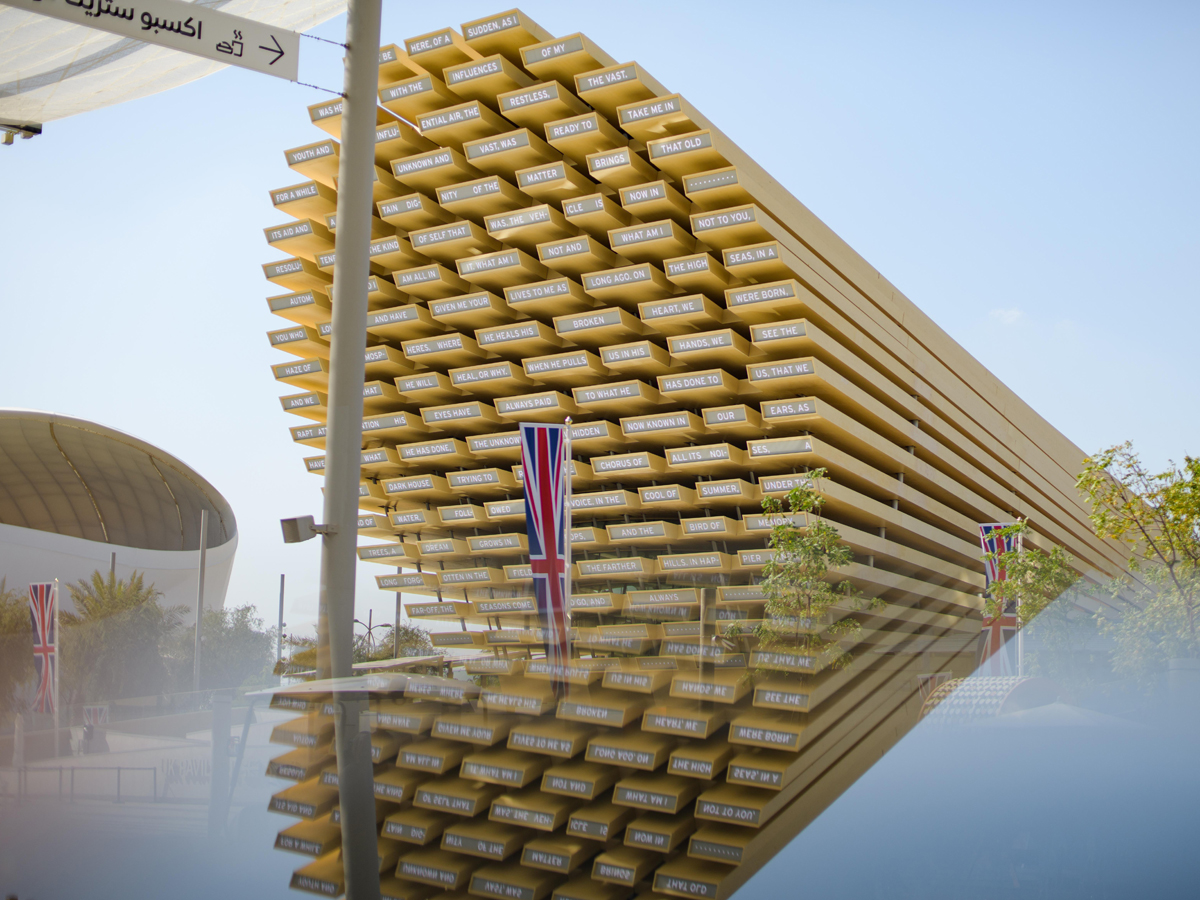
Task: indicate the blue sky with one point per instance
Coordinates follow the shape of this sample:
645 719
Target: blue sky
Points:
1025 172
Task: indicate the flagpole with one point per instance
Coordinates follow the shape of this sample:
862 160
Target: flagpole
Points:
570 524
57 666
1020 546
199 601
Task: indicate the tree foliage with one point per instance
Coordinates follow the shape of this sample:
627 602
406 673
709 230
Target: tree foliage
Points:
1032 579
234 650
301 655
302 650
1061 644
1156 517
1049 597
115 644
413 641
805 604
16 649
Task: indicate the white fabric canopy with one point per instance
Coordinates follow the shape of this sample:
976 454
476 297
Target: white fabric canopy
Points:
50 69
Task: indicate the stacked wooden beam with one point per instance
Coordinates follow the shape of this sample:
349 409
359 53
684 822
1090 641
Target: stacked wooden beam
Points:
557 234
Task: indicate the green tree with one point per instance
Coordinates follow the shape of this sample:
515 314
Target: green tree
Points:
301 655
368 646
1032 579
302 650
234 649
113 645
1060 645
1156 517
16 649
1047 594
413 641
804 601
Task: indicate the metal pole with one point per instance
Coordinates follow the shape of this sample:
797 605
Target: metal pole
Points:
57 669
200 599
708 599
279 635
1020 644
18 757
218 788
241 750
112 566
396 621
348 346
569 513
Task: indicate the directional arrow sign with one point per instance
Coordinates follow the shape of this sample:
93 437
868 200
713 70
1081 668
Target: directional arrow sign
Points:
183 26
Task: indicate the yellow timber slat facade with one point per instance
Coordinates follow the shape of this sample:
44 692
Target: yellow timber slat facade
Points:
558 234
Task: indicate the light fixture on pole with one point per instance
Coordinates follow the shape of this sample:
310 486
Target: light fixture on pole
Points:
302 528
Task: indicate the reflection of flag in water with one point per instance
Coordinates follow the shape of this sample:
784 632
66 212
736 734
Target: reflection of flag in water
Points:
997 645
95 715
927 684
548 525
997 649
43 598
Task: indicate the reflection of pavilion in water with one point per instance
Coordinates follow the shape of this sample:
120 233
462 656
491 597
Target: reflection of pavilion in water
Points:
621 780
562 236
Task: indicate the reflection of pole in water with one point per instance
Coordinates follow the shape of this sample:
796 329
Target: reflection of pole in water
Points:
279 632
57 667
200 598
570 584
218 788
396 627
343 448
18 757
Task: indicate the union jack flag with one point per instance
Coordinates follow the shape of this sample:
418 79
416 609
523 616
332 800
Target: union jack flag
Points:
998 651
995 543
43 612
95 715
544 455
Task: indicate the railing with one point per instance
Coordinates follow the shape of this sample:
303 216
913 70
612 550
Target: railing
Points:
67 786
153 706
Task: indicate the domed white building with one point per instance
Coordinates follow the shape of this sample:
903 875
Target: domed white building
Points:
72 493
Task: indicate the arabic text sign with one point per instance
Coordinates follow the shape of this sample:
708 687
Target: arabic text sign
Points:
183 26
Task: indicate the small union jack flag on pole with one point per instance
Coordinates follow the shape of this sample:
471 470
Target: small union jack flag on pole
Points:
995 543
996 644
43 612
545 456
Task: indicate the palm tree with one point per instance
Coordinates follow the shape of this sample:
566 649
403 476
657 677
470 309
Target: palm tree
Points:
16 648
114 643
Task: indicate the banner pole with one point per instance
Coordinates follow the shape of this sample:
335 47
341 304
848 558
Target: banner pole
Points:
279 633
57 666
199 600
343 448
1020 548
567 556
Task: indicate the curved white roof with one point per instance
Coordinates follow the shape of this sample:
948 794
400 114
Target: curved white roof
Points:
72 477
50 69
